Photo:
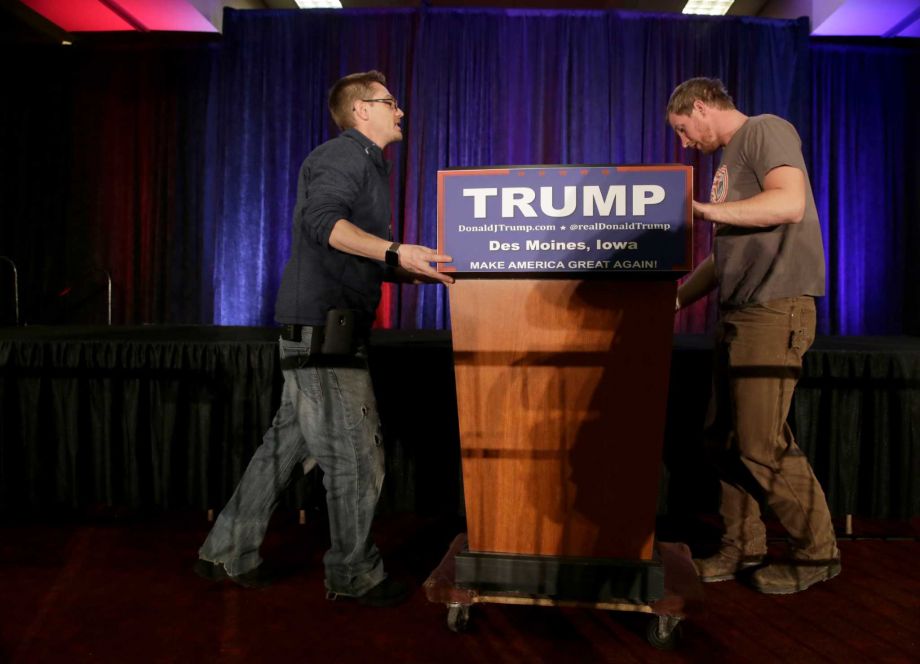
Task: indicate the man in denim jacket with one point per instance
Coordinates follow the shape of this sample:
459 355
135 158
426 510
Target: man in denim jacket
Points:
340 254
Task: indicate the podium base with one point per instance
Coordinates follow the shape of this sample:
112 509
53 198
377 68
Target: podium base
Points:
571 579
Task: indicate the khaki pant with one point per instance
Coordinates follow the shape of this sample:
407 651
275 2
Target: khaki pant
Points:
758 361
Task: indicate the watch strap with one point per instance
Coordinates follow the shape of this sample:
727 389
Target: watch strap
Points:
392 255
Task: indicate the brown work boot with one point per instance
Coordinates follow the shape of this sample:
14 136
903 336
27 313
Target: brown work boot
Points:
787 577
725 564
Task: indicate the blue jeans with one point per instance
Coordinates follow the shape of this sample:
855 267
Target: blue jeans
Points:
327 414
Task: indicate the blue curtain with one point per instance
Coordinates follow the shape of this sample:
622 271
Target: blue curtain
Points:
276 69
485 87
535 87
176 167
865 171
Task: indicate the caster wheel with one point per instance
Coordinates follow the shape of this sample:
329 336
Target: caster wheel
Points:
458 617
663 632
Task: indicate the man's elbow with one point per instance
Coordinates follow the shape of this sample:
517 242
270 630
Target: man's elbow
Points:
792 213
796 215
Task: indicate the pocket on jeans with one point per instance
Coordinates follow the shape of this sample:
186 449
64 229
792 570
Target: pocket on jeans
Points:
803 333
801 338
308 383
356 396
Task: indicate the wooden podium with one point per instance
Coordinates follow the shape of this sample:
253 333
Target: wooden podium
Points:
562 389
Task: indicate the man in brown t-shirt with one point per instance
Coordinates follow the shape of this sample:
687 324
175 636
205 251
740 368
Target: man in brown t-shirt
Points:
768 264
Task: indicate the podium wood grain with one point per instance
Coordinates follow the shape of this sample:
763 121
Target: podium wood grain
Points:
562 389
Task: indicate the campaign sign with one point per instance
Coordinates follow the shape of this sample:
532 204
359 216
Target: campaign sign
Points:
546 219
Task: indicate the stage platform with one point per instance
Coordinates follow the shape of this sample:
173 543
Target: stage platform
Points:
160 417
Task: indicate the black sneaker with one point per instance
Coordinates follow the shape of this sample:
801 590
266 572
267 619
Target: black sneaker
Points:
209 571
388 592
260 577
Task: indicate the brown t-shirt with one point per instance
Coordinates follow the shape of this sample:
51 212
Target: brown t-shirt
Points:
761 264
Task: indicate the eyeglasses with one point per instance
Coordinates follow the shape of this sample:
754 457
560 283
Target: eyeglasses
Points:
389 101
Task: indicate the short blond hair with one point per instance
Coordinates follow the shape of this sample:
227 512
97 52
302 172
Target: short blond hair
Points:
347 91
710 91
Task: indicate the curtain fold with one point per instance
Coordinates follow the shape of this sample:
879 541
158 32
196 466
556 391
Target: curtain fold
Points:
154 418
131 423
855 415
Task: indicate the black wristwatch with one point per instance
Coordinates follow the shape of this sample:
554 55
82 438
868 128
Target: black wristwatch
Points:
392 255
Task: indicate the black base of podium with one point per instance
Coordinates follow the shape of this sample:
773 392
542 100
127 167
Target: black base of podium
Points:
572 579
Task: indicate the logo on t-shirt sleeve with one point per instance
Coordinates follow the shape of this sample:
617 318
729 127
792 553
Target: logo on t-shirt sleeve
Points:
719 185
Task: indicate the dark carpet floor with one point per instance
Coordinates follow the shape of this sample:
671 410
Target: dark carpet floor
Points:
122 590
